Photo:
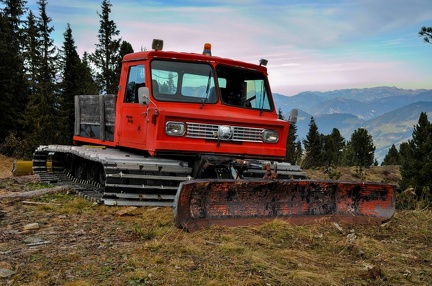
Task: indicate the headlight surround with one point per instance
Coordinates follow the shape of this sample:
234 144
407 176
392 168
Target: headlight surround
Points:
270 136
173 128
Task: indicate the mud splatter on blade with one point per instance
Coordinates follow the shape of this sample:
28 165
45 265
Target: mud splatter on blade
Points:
200 203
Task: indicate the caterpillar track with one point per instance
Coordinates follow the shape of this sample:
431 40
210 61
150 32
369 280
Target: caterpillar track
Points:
111 176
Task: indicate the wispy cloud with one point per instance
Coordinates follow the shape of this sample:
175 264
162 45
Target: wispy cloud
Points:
313 45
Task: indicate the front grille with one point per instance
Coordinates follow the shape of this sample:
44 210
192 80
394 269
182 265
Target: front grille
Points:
210 131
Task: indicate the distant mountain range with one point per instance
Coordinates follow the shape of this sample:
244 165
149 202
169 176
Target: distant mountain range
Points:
387 113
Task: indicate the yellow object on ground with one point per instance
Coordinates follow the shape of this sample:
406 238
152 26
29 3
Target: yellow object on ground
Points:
22 168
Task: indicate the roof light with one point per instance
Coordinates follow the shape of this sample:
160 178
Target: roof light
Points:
157 45
207 49
263 62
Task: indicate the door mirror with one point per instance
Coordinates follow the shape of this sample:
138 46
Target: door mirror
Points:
143 95
293 116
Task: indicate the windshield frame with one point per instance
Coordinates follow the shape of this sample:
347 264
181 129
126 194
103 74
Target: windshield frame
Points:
201 82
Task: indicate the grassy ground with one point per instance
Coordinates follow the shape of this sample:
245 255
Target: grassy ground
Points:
80 243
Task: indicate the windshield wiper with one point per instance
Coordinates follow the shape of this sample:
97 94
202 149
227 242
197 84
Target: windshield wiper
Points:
262 98
207 89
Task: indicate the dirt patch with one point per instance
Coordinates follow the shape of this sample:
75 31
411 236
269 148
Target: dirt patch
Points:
10 185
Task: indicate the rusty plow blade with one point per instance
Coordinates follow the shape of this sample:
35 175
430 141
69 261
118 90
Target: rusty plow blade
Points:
201 203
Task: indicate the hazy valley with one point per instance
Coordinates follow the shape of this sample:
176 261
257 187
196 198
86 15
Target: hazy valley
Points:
387 113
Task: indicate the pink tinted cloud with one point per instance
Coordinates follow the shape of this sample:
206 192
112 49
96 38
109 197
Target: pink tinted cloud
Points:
323 74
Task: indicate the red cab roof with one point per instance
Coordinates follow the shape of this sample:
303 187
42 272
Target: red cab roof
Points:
183 56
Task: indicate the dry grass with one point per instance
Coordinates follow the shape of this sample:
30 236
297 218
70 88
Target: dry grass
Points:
87 244
90 245
388 174
6 164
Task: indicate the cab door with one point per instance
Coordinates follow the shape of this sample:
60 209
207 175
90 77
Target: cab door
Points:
133 122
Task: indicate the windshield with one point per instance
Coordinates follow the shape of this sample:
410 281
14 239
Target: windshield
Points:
183 82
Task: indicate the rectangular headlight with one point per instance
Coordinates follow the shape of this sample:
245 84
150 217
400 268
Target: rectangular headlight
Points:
270 136
175 128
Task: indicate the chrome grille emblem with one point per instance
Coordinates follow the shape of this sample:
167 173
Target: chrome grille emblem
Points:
225 132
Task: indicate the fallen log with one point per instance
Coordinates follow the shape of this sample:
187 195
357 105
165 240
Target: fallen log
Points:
36 193
39 203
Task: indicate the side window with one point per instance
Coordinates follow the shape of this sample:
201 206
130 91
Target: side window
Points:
135 80
244 88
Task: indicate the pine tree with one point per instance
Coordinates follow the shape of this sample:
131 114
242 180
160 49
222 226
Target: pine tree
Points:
32 52
392 157
106 55
347 158
416 172
332 148
339 144
363 148
42 113
291 145
290 156
5 79
125 48
69 85
312 145
426 33
408 165
89 85
298 153
76 80
12 79
280 115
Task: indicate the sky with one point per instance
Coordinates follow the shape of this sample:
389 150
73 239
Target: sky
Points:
315 45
